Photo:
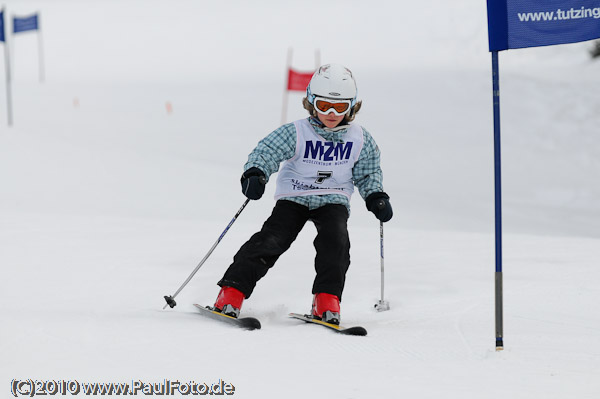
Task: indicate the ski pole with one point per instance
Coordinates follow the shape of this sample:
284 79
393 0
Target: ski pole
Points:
381 305
171 298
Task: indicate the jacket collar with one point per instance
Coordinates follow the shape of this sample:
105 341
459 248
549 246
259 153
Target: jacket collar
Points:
331 134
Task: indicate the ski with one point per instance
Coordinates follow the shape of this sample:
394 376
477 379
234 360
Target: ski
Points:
356 330
247 323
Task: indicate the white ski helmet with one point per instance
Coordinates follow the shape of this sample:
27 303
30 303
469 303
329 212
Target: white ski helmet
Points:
332 81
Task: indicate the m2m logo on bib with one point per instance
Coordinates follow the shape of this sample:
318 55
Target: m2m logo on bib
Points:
326 152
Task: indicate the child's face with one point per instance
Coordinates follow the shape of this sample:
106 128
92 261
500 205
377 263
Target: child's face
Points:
330 120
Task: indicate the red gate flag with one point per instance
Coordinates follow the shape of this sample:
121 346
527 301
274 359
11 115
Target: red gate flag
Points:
298 81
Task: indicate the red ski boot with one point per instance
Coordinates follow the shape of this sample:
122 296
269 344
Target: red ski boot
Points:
229 301
326 307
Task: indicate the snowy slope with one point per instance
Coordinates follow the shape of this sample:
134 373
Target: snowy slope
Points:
107 202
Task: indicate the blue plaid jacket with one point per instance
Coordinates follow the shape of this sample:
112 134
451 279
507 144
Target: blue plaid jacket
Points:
280 145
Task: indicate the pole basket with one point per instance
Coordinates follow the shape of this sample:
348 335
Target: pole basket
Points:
382 306
170 301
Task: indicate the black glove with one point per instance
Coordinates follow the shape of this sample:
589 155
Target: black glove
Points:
379 204
253 183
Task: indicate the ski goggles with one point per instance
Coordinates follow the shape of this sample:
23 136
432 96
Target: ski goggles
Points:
327 105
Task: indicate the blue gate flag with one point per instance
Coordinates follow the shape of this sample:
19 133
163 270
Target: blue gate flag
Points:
531 23
25 24
2 26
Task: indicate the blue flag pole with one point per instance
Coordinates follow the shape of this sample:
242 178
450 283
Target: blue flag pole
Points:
40 50
516 24
27 24
4 38
498 201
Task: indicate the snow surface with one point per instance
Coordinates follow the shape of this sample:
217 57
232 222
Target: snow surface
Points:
107 202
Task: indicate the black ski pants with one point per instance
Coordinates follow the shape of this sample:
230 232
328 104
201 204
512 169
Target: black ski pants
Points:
259 254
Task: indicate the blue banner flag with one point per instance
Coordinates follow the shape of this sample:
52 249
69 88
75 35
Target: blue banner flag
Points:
2 26
531 23
25 24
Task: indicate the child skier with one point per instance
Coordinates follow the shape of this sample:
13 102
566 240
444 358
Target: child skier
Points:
324 157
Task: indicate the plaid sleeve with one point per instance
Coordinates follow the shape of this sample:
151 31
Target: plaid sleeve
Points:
366 173
277 147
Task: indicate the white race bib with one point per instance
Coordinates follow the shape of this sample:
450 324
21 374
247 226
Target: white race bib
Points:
320 166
